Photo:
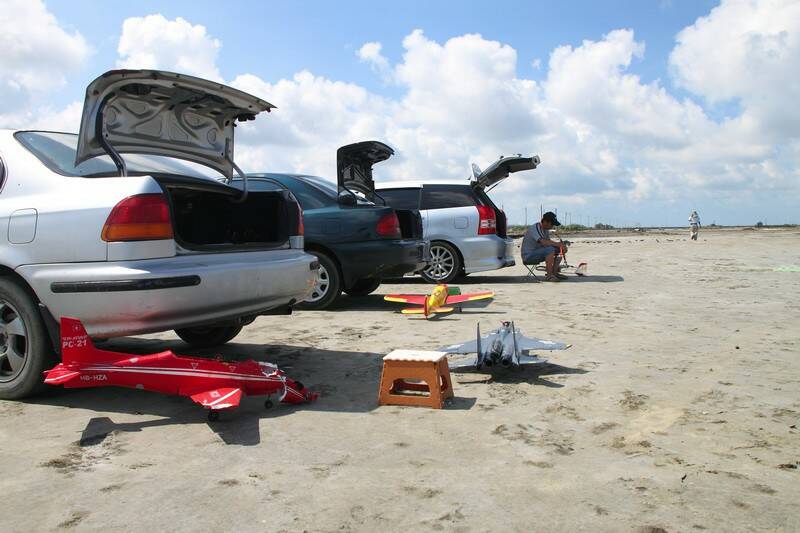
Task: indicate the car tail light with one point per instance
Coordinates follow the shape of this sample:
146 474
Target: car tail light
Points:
389 226
487 224
144 217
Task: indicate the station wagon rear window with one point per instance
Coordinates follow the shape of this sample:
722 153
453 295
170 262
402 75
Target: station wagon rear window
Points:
444 196
57 152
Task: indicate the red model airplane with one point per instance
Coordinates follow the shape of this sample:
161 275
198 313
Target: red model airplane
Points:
436 302
214 384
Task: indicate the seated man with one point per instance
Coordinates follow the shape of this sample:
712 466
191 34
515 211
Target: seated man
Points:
537 247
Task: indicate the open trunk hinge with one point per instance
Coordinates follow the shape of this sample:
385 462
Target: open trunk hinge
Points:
101 137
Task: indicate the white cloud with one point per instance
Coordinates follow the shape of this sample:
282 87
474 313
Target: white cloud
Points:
153 42
37 56
314 117
371 53
747 51
603 134
67 119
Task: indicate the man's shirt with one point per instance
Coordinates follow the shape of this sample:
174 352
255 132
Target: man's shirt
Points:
530 241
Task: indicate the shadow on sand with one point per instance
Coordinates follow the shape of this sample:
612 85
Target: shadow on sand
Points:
347 382
532 374
477 279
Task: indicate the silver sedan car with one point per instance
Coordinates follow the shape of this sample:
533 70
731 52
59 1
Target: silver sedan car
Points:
142 243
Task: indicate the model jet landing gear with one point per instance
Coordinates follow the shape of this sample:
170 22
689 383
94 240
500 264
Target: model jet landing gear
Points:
268 404
213 416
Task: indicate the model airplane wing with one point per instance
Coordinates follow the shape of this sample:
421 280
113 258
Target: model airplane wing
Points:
461 298
224 398
418 299
527 344
60 375
464 347
531 360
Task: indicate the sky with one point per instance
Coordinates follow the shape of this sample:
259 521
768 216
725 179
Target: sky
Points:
641 111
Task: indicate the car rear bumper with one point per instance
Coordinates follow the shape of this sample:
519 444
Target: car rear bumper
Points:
487 252
382 258
133 297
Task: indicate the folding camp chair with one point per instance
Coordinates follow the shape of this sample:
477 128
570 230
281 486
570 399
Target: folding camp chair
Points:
532 267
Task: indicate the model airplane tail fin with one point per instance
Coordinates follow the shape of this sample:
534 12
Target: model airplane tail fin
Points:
77 347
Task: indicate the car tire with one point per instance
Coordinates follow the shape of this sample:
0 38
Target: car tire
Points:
445 265
208 336
25 348
363 287
327 287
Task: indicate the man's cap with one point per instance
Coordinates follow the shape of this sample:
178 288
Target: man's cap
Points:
551 217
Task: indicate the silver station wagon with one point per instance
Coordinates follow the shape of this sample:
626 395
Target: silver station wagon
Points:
466 229
151 241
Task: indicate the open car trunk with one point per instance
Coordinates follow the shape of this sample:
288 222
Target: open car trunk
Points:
207 216
410 223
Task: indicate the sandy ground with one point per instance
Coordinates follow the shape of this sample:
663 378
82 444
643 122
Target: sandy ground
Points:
676 408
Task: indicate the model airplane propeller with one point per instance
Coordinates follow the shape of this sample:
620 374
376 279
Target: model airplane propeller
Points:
213 384
504 347
438 301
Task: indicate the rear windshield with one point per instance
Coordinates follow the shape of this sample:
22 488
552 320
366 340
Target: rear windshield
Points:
326 186
57 152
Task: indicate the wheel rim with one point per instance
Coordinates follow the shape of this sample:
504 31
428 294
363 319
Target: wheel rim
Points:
13 342
442 263
321 285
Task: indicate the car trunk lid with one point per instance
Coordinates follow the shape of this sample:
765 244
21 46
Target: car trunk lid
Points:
354 167
163 113
501 169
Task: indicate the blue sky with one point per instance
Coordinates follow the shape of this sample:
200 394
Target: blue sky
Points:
641 111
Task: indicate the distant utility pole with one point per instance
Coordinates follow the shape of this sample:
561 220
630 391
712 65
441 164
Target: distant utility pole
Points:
540 211
526 216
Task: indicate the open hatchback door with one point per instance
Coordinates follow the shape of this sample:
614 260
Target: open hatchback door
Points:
354 166
500 169
165 114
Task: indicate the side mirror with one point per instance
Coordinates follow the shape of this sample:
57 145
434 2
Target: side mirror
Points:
347 198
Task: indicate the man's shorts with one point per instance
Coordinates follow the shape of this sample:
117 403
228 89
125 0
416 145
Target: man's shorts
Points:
538 255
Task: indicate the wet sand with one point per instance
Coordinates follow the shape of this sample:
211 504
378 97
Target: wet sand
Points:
676 408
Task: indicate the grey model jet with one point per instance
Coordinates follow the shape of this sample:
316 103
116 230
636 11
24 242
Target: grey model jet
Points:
504 347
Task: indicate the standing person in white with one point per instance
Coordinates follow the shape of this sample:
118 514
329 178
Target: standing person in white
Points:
694 225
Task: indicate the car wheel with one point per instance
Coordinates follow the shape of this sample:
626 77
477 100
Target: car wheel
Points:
445 264
207 336
327 287
25 348
363 287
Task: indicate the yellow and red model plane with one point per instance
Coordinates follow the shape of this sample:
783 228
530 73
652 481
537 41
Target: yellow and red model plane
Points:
438 301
